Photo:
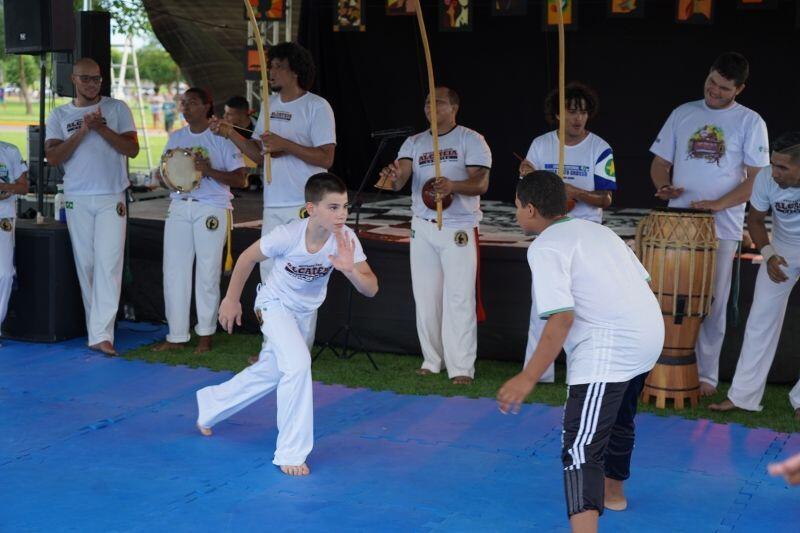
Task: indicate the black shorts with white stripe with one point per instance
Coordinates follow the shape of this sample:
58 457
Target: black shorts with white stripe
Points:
589 417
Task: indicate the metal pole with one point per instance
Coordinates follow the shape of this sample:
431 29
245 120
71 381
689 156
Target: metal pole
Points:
40 162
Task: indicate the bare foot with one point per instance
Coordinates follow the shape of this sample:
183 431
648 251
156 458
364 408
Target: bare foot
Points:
797 414
723 406
206 432
104 347
615 495
462 380
204 344
299 470
706 389
167 346
423 372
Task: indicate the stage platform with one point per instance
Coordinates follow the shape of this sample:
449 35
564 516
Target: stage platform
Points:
387 323
91 443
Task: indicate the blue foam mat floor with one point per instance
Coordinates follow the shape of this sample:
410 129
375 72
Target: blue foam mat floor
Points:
91 443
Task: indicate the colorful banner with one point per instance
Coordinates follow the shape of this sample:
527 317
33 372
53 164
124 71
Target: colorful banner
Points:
455 15
550 19
349 15
509 8
400 7
252 68
626 8
276 10
695 11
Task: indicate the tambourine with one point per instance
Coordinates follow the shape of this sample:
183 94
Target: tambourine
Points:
178 171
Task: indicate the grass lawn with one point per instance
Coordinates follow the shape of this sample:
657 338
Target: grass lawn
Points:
14 111
397 374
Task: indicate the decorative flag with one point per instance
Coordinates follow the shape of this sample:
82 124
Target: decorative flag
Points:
276 10
695 11
756 4
550 19
455 15
400 7
509 8
626 8
349 15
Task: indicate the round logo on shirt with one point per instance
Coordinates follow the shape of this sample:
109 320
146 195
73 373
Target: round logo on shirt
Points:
610 170
303 213
5 224
461 238
212 223
121 209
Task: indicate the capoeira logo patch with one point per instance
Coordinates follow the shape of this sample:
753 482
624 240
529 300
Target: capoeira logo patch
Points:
212 223
461 238
303 213
121 209
68 205
5 224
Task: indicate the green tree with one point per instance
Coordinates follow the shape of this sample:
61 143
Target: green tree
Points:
156 65
129 16
19 70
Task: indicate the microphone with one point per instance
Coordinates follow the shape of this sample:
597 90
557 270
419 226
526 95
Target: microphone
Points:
396 132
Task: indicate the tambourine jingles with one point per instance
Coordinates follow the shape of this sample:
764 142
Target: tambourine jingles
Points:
178 171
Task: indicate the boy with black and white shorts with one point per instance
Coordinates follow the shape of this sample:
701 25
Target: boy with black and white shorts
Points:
305 253
580 267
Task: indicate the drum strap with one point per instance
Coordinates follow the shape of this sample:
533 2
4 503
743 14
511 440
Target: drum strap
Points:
733 305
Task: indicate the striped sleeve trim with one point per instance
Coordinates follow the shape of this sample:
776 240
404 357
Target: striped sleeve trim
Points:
555 312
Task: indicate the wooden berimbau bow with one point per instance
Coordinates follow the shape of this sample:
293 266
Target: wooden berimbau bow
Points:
262 63
434 121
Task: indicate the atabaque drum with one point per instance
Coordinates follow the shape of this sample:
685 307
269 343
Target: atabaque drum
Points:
678 249
178 171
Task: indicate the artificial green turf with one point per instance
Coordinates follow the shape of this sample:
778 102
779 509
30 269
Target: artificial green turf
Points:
396 373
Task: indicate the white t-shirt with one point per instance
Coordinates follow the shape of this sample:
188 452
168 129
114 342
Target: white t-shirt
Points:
618 331
95 167
299 279
307 121
708 149
785 205
458 149
11 168
222 155
589 165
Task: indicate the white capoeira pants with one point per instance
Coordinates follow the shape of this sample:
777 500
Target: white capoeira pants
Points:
535 329
284 364
762 333
443 269
712 331
273 217
6 264
193 230
96 226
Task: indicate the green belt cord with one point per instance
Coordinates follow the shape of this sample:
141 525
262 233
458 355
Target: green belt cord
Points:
733 305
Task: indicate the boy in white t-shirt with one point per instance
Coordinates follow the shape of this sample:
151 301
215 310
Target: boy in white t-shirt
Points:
92 137
776 188
714 148
305 253
589 172
580 267
13 181
197 224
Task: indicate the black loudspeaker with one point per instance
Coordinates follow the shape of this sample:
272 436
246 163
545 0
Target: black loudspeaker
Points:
92 39
46 305
36 26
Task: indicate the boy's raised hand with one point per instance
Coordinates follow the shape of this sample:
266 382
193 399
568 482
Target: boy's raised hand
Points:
345 251
230 312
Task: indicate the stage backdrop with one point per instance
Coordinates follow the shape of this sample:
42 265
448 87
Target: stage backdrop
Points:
503 68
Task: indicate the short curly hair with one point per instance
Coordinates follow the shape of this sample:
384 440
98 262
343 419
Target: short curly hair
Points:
300 62
574 92
545 191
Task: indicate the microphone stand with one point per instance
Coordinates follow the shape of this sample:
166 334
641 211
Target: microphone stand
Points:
345 351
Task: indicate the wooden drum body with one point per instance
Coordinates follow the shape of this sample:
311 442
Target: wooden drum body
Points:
678 249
